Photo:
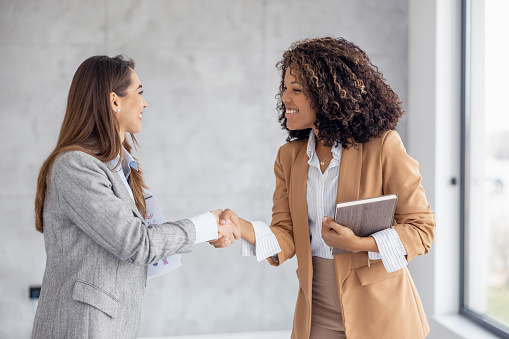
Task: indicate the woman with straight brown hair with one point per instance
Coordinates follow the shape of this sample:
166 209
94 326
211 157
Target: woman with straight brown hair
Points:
90 206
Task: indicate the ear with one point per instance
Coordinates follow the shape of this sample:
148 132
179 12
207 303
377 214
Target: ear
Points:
114 102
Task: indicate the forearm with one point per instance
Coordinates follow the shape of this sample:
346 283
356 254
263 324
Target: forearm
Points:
247 231
365 244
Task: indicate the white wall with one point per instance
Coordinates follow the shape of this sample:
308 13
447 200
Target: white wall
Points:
209 138
434 140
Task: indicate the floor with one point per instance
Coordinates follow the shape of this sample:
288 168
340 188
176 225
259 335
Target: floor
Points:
251 335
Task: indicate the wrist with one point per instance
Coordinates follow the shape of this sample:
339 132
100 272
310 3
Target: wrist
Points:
368 244
365 244
247 231
358 244
245 227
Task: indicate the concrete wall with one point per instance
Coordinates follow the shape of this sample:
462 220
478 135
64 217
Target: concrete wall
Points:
209 139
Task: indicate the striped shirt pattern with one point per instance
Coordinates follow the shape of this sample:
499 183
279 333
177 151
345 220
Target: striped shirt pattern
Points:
321 194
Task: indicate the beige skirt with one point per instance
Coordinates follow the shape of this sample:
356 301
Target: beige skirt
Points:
326 319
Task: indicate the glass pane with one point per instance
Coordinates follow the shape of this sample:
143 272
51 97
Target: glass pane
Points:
487 163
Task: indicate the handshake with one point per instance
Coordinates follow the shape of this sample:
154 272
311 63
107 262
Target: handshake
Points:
228 226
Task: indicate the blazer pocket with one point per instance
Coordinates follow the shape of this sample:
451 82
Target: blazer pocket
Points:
94 296
369 275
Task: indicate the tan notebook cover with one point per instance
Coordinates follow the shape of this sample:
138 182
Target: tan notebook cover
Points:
366 216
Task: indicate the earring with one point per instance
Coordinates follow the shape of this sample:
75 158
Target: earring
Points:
118 109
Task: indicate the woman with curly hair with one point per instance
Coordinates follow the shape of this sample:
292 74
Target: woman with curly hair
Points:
340 116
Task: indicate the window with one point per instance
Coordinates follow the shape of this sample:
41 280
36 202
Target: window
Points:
485 164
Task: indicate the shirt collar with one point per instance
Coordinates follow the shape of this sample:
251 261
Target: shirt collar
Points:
311 150
129 163
129 159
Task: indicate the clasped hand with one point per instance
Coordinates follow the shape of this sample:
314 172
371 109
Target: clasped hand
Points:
228 231
231 228
336 235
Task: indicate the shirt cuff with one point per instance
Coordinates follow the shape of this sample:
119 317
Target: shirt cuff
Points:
266 243
391 250
247 249
206 227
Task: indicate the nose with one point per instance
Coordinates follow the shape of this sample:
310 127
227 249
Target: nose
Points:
285 97
144 102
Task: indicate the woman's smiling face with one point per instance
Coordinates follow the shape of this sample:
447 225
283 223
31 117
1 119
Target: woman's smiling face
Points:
298 111
131 107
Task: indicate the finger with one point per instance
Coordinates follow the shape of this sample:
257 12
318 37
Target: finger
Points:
217 244
236 233
236 230
226 215
222 242
327 221
219 237
325 233
330 223
327 241
325 229
330 237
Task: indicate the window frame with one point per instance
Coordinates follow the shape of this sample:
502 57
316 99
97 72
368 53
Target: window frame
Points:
466 33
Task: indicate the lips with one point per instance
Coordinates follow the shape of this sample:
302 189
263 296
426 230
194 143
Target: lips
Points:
290 112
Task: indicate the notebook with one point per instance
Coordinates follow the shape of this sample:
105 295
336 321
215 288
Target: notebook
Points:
366 216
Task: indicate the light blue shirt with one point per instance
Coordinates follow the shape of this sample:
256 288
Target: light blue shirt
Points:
124 170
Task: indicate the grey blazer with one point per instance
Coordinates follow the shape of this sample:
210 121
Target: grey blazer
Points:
98 249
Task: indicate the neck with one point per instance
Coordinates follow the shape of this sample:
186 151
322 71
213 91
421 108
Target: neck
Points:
319 142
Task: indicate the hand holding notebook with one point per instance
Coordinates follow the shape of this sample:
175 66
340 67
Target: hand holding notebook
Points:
366 216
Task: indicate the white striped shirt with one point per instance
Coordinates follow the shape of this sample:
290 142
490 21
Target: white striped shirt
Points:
321 194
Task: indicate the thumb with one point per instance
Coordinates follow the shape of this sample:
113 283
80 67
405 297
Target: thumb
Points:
327 221
330 223
225 215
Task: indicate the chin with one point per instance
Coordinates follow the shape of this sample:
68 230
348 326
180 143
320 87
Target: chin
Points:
293 128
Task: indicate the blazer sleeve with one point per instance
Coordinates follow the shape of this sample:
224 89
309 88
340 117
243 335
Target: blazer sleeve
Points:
85 195
414 217
282 225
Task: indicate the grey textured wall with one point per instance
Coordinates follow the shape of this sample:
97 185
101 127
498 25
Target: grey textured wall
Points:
209 139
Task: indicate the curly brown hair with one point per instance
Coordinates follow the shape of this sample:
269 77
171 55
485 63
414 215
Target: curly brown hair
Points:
349 95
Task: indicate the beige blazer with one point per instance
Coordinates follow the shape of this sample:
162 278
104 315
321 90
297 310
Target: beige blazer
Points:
374 303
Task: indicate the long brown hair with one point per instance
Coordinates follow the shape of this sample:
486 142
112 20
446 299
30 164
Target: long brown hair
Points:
352 101
90 125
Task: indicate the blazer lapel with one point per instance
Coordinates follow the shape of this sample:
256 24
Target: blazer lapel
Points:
299 211
298 186
121 191
350 174
348 189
